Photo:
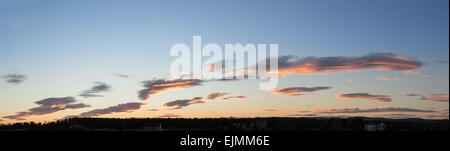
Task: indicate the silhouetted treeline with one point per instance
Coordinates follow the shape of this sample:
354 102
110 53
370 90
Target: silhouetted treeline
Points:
232 124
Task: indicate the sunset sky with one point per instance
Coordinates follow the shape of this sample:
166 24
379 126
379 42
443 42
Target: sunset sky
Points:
338 58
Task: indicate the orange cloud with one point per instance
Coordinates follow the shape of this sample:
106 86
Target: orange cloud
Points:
365 96
270 110
416 73
293 94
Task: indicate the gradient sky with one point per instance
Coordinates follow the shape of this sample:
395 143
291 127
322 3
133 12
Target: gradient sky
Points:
63 47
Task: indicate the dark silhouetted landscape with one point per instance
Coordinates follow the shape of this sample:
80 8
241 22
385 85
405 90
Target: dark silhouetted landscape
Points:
355 124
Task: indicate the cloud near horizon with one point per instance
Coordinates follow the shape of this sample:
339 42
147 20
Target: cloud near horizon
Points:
159 86
435 97
303 115
372 110
14 78
48 106
432 97
98 87
169 116
120 108
365 96
373 61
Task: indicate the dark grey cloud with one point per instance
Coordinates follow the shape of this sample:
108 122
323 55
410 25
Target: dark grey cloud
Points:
303 115
294 91
159 86
48 106
179 104
215 95
98 87
234 97
366 96
412 94
126 107
372 110
298 89
14 78
374 61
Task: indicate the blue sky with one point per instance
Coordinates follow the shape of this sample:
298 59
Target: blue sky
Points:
63 46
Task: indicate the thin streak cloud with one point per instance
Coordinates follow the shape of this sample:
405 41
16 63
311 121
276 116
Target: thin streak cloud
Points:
14 78
365 96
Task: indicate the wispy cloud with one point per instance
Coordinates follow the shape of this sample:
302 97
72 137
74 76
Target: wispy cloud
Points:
234 97
126 107
365 96
48 106
398 115
14 78
442 61
304 115
122 75
295 91
372 110
386 78
159 86
412 94
98 87
293 94
435 97
270 110
169 116
416 73
432 97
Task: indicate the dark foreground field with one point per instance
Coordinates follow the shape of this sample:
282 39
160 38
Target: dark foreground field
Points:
356 124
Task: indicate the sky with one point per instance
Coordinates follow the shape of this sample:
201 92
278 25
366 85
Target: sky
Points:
345 58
